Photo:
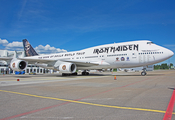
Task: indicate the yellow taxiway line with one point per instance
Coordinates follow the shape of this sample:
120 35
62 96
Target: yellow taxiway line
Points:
86 103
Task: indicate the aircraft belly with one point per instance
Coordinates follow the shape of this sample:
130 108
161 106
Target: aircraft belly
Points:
94 67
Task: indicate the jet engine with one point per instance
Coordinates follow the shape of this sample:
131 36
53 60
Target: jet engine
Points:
18 65
67 68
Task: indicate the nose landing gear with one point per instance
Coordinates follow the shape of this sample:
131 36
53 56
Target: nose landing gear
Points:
143 73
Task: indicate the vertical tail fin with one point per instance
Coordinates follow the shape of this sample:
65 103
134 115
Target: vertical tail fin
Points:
28 49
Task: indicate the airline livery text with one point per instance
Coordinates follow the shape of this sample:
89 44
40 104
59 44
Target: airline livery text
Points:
118 48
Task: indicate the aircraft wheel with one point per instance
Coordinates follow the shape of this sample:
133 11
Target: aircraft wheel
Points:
83 73
143 73
86 73
63 74
74 73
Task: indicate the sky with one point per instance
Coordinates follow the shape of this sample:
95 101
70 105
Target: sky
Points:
53 26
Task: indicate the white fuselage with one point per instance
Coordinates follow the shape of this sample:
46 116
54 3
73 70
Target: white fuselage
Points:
117 55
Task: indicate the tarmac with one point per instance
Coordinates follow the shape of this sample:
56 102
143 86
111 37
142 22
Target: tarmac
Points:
94 97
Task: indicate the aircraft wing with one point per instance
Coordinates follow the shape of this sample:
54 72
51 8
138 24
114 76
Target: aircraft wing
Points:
29 60
81 63
85 63
33 61
6 58
78 63
50 61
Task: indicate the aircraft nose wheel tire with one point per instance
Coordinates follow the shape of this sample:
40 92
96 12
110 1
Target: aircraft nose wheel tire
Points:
143 73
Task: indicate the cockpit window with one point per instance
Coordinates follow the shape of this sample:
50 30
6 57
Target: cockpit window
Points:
150 43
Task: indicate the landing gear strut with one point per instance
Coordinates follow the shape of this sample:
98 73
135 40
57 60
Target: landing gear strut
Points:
85 73
143 73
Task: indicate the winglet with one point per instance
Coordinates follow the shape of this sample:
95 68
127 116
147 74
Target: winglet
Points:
28 49
15 54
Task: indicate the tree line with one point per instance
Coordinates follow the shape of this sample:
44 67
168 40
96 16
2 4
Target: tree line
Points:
163 66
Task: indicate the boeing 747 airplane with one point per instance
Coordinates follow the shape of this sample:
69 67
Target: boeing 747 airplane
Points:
109 56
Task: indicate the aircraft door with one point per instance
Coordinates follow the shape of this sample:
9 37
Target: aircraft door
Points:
145 57
134 56
148 57
142 57
102 58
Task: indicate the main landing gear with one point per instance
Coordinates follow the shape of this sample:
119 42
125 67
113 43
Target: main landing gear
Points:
85 73
69 74
143 73
74 74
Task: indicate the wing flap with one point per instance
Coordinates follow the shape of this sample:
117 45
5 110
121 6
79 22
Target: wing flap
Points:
31 61
85 63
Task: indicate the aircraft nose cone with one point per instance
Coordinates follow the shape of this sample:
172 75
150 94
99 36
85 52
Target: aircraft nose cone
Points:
170 53
167 54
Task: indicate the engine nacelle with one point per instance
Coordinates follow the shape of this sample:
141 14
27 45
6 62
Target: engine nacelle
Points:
67 68
18 65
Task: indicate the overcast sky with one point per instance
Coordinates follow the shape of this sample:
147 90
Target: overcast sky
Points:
70 25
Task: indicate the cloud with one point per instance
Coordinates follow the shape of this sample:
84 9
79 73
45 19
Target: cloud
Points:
3 42
48 49
15 45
